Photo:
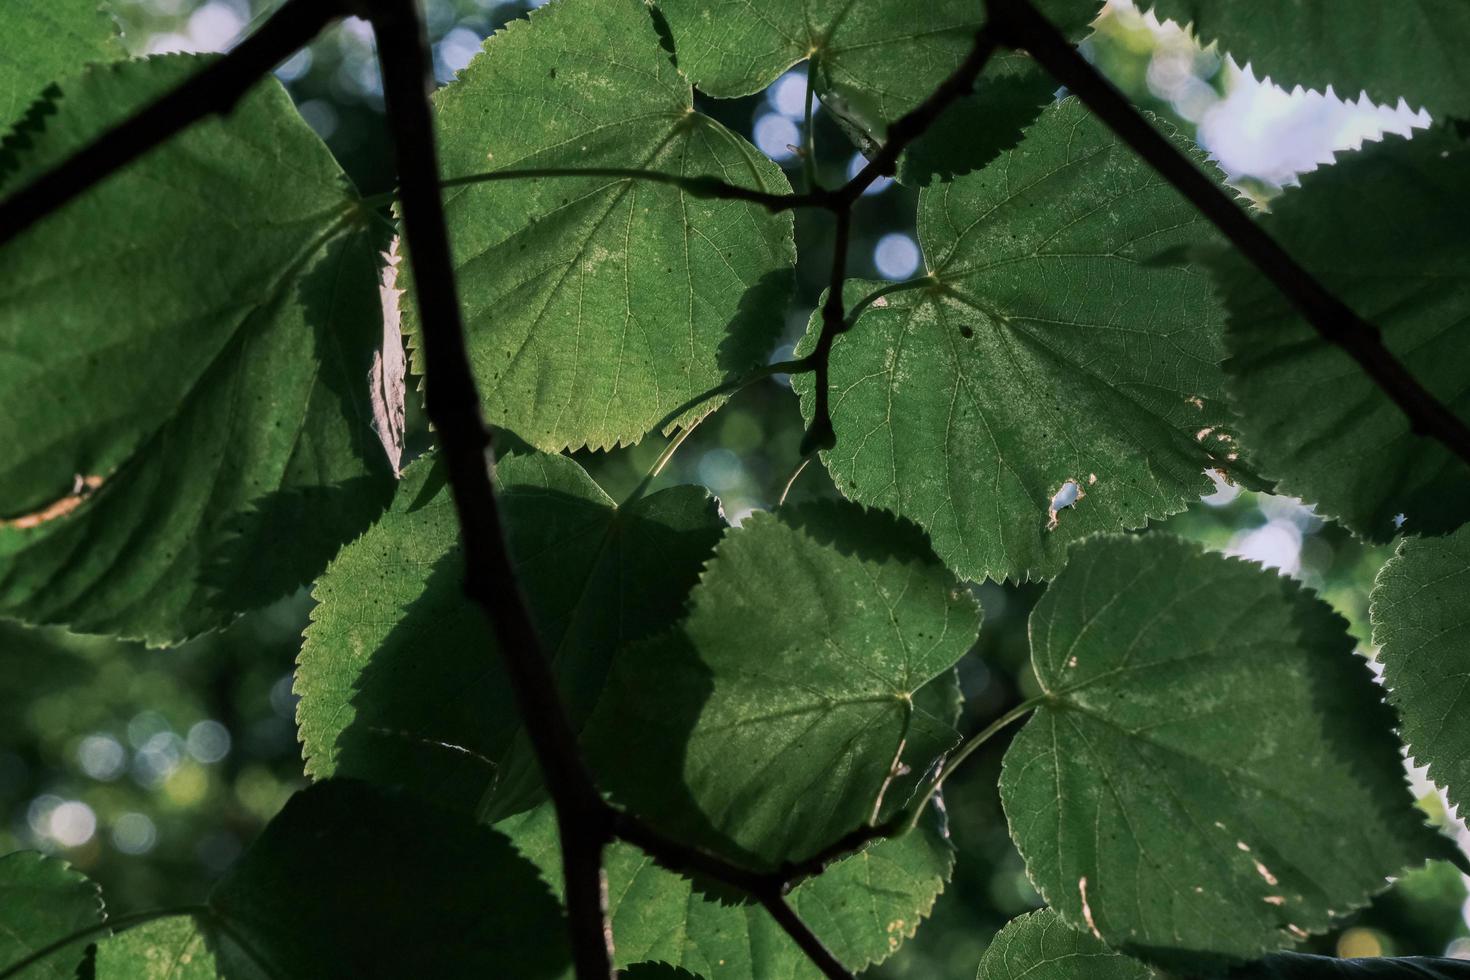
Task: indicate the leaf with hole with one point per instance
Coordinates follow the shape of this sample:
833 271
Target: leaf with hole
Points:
1212 773
595 306
1047 360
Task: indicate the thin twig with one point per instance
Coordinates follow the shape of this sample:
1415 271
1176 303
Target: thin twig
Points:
215 89
1021 25
799 366
791 480
808 135
453 405
916 808
697 186
819 433
815 950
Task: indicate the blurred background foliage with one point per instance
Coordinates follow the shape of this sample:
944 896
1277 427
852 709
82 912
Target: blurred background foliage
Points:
151 769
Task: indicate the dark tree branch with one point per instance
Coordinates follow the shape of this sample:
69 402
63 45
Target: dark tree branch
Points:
914 123
814 948
1019 24
215 89
453 405
820 434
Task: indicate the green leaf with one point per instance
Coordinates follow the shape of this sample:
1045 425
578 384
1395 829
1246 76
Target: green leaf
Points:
1413 50
862 907
351 881
1039 946
183 356
46 40
1212 773
173 948
43 900
1421 624
1382 230
773 720
1048 351
399 675
871 61
596 306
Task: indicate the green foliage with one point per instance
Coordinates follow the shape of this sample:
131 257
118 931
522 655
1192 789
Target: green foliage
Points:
1211 774
1421 623
1043 349
596 306
1399 258
48 39
870 62
194 352
234 455
43 901
1405 50
1040 947
775 735
863 907
421 696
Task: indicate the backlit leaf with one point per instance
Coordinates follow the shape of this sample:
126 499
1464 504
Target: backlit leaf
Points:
183 363
400 676
1384 230
1212 773
1421 624
770 722
1048 357
596 306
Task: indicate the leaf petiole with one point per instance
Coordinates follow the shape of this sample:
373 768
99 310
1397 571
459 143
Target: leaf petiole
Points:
916 809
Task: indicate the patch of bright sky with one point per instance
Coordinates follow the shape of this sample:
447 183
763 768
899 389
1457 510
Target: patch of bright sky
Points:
1257 129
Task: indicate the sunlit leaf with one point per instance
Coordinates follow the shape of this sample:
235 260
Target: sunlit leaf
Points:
863 907
1412 50
174 948
45 40
1039 946
596 306
183 364
44 900
1382 229
771 722
1048 357
400 677
1421 623
1212 773
871 62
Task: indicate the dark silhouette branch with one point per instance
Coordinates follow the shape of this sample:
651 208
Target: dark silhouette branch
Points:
452 402
914 123
1019 24
214 90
